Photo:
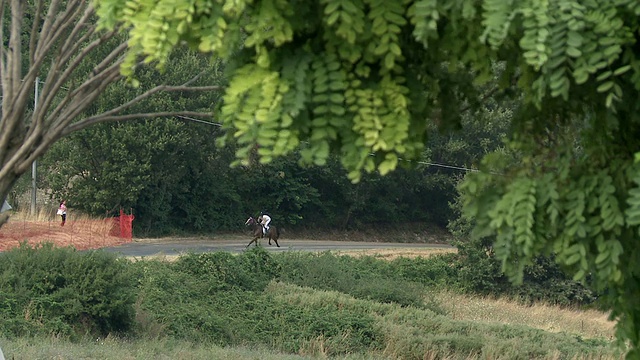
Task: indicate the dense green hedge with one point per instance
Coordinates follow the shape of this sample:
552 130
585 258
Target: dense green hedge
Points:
46 290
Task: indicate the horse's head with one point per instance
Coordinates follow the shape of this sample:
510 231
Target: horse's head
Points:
250 221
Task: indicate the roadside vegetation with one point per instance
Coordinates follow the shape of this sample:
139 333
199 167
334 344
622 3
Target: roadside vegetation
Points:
61 303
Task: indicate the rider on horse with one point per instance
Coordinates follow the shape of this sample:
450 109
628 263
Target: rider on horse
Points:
264 220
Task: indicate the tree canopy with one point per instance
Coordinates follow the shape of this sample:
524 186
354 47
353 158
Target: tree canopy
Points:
359 77
56 47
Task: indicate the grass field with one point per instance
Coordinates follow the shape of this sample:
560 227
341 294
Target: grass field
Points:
403 328
585 324
589 324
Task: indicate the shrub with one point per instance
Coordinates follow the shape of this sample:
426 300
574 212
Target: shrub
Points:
325 326
182 305
363 278
479 271
385 290
203 297
432 271
252 270
47 290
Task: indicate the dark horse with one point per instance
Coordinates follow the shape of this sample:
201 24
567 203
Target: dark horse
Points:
272 234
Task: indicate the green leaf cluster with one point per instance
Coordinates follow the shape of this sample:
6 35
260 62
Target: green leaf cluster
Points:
405 61
581 211
340 81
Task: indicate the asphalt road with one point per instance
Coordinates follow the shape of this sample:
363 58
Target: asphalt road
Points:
177 247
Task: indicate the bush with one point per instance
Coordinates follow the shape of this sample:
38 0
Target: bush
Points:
47 290
177 303
432 271
363 278
204 297
480 272
252 270
294 328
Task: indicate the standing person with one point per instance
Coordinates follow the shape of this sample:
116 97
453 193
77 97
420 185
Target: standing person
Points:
62 211
264 220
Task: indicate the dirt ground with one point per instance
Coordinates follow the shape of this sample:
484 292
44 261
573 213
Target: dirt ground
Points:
406 233
391 254
82 234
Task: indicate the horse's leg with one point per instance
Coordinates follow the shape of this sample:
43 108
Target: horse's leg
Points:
255 239
275 238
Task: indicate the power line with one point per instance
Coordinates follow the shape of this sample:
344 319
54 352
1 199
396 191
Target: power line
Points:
447 166
419 162
199 120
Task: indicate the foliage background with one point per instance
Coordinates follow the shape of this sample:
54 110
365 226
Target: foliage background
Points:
176 181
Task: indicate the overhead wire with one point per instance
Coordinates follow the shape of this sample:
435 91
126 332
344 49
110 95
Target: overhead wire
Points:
454 167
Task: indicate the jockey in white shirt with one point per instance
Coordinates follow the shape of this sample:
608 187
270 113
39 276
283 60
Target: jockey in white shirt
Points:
264 220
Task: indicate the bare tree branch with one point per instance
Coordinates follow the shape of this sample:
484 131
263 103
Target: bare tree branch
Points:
3 51
86 93
157 89
60 22
34 30
46 26
42 137
80 93
52 87
11 76
101 119
71 43
195 78
46 138
64 35
63 23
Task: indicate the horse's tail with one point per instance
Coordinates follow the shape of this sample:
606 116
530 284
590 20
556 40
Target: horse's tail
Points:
278 232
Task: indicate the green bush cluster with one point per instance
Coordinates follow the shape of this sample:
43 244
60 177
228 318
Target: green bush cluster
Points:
292 302
45 290
363 278
479 271
219 298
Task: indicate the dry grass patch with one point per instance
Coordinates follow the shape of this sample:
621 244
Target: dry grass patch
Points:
392 254
586 323
80 231
159 257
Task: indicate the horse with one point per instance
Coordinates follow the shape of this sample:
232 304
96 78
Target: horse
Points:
273 233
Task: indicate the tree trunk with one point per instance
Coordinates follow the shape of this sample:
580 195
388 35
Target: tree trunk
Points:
6 183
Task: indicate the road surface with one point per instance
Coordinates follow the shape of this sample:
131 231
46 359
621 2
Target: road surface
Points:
176 247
